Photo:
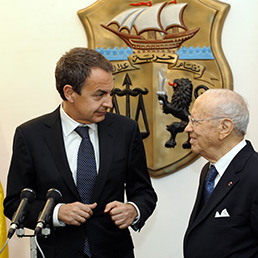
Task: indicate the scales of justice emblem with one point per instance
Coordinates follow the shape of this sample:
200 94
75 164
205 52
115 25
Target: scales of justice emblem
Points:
164 55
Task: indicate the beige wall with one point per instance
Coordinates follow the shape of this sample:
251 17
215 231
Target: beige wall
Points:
34 34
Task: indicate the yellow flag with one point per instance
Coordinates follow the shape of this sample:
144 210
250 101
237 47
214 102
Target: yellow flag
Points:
3 232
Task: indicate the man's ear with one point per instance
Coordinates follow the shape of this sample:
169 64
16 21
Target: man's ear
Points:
69 93
227 126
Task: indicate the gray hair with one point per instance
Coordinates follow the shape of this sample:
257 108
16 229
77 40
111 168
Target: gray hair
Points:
232 105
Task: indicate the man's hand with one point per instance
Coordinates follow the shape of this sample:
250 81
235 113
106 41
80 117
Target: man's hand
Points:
123 214
75 213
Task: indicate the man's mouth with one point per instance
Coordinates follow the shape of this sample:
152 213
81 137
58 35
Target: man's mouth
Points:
102 113
192 140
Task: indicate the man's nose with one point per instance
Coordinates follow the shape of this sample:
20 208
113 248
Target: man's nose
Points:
188 128
108 102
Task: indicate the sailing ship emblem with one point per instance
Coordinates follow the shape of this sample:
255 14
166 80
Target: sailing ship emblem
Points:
164 55
158 27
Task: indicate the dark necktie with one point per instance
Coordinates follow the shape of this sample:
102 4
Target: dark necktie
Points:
209 182
86 171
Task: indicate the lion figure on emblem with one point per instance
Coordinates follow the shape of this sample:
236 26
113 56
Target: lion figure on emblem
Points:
179 108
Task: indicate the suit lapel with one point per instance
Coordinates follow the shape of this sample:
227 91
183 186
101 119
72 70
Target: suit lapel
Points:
226 184
106 145
54 139
199 199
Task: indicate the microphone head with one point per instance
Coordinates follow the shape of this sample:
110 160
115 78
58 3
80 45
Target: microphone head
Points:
54 194
29 194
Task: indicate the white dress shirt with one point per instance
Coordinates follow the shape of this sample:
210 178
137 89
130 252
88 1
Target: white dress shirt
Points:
72 140
222 164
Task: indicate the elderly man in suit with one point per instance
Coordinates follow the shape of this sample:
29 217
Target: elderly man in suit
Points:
224 220
91 169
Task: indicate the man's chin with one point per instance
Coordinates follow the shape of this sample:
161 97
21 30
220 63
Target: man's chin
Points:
194 149
98 118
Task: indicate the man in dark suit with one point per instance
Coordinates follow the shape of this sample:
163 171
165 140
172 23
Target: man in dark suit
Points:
45 156
224 222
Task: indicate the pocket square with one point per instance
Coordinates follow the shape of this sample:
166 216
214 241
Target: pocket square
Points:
223 214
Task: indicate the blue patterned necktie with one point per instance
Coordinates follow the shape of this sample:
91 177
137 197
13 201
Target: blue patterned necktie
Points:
209 182
86 171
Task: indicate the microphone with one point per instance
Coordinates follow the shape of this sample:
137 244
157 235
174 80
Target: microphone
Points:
52 196
27 196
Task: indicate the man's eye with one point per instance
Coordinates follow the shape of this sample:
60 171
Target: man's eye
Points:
98 96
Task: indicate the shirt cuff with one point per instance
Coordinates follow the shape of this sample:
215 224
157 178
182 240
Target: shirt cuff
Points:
56 221
138 211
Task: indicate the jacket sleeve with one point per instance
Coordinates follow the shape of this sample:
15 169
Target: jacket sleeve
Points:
138 184
20 176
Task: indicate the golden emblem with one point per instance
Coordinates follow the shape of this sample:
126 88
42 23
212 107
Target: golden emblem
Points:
164 54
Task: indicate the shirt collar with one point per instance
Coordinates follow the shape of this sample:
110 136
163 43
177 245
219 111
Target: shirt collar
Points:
222 164
68 124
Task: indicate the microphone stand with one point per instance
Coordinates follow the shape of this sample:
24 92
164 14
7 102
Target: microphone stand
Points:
20 232
33 247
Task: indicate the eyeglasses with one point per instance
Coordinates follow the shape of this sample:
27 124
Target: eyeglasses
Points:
194 122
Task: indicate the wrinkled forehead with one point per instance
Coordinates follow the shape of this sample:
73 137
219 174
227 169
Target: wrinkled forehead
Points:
203 107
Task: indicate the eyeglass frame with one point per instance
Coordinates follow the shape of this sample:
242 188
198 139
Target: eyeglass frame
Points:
193 121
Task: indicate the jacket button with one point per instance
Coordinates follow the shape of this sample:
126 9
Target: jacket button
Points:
79 253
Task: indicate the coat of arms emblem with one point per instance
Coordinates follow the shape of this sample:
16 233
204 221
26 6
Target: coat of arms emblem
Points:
164 54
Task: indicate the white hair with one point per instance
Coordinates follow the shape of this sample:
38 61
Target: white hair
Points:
228 103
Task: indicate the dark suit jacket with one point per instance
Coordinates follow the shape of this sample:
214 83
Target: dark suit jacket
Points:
235 236
39 161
